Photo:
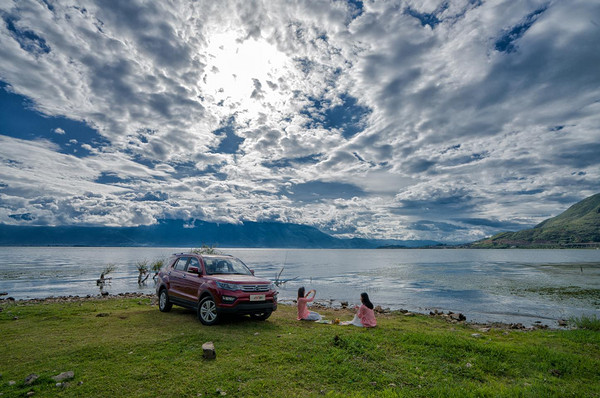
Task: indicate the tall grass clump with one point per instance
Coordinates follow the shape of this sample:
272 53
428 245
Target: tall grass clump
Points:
586 322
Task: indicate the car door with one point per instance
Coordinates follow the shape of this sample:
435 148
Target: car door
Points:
191 280
177 278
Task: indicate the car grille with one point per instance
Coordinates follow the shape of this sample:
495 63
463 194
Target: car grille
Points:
255 288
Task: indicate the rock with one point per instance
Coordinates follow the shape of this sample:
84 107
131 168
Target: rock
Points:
4 294
15 318
378 309
392 385
409 314
30 379
64 376
208 350
104 293
484 330
30 393
469 365
457 317
344 304
102 314
562 322
256 334
555 372
12 383
476 335
221 392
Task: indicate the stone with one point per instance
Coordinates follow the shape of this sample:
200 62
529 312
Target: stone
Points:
344 304
30 379
102 314
457 317
12 383
562 322
484 330
208 350
64 376
30 393
476 335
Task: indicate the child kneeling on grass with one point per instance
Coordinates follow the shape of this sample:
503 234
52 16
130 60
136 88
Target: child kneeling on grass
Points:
365 317
303 313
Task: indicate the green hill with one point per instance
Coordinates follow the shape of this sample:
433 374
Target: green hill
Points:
579 226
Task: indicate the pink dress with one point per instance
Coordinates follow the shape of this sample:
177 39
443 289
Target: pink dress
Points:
366 316
303 312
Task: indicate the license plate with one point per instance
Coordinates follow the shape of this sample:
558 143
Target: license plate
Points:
257 297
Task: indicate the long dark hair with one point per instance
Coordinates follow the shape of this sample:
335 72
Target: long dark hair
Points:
364 297
301 292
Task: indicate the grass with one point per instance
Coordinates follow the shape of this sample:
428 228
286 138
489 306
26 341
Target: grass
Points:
586 322
126 347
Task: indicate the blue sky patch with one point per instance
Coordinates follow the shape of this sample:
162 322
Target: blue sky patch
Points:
348 117
231 142
28 40
18 119
506 43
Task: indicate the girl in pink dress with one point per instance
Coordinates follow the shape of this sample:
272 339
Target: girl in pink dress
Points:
365 317
303 313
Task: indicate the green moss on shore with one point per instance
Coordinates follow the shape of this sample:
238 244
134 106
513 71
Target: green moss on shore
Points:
126 347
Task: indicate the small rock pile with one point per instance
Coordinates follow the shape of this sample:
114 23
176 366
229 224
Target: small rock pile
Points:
450 316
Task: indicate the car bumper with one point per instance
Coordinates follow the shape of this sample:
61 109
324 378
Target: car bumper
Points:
248 308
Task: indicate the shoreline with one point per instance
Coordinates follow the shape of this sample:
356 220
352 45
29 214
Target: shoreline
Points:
450 317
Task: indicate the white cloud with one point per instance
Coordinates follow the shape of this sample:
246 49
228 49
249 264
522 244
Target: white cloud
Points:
453 124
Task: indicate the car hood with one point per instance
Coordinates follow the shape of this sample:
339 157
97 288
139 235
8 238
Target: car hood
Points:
238 278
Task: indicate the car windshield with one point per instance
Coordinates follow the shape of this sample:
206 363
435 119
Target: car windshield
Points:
221 265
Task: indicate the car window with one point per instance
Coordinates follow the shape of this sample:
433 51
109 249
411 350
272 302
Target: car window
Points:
180 266
225 266
194 263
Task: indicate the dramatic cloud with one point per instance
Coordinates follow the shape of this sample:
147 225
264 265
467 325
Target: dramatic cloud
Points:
446 120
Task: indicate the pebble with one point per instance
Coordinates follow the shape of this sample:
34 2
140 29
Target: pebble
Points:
31 378
476 335
64 376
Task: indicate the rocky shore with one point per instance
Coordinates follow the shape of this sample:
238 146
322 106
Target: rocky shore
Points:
342 306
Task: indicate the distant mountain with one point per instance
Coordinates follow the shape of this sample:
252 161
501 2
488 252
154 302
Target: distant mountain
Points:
578 226
177 233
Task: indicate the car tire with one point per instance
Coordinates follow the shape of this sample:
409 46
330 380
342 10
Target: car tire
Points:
261 316
164 304
207 311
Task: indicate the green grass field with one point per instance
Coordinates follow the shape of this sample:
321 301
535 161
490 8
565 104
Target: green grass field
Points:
121 347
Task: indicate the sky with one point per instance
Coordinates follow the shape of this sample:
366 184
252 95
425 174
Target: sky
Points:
425 119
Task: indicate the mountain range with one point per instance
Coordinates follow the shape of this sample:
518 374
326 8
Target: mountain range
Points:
578 226
179 233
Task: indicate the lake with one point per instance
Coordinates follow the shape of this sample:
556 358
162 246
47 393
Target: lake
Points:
486 285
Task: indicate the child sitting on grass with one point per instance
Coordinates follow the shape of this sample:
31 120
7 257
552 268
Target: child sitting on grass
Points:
365 317
303 313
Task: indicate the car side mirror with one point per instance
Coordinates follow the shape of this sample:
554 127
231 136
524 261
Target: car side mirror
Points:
252 271
193 270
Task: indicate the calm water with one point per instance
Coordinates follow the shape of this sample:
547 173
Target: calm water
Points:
485 285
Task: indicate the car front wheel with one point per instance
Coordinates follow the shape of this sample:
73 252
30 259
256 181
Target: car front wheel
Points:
164 304
207 311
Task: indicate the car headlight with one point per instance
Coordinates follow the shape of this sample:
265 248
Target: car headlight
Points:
229 286
272 286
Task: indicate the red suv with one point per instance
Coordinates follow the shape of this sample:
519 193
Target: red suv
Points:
214 285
